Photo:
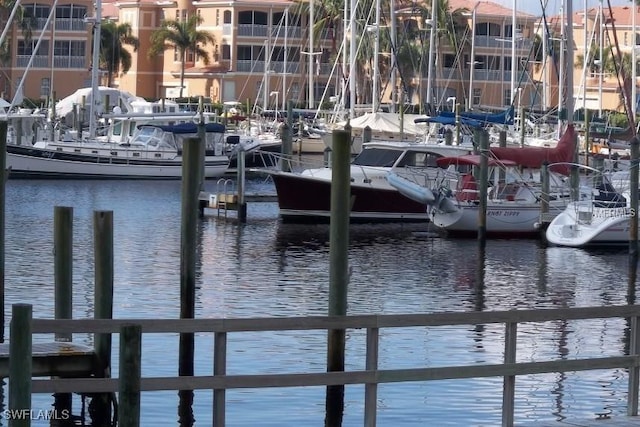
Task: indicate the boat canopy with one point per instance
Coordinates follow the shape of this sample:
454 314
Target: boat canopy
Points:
471 160
190 127
449 120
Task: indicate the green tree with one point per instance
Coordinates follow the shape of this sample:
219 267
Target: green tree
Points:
183 36
23 18
113 55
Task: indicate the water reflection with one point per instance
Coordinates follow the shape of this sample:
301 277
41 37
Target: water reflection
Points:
267 268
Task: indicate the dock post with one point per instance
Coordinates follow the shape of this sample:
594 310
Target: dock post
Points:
188 255
502 142
633 188
544 199
202 134
63 282
522 128
483 185
338 268
3 183
130 372
587 136
100 407
241 176
20 362
287 148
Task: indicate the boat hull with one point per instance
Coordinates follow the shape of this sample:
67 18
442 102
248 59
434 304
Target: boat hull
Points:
601 227
503 220
27 162
303 198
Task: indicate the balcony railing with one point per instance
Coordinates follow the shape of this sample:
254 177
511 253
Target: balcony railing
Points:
22 61
74 24
249 30
293 33
72 62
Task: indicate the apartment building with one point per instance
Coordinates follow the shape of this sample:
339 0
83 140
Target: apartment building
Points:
261 55
59 52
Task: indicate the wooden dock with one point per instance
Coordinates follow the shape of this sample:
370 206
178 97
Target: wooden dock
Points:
56 359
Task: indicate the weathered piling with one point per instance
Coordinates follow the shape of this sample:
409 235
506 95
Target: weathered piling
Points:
188 259
483 185
339 268
63 265
241 172
633 187
100 408
63 282
219 368
287 148
366 134
130 373
20 363
3 183
544 199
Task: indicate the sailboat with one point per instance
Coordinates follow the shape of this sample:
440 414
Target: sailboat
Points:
65 155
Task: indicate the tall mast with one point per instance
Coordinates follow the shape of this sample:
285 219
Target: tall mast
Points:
394 50
432 47
514 61
311 88
95 72
376 57
352 62
569 102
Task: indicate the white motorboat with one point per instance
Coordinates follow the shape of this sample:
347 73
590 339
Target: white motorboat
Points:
602 216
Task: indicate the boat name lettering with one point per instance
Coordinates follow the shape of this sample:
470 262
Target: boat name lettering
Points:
614 212
503 213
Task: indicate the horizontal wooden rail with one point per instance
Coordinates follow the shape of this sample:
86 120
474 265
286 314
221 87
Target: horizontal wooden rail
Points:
331 322
371 376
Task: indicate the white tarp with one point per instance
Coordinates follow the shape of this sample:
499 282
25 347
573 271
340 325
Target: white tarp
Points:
389 122
84 96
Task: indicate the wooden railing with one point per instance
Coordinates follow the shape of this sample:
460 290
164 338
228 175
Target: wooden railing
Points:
131 330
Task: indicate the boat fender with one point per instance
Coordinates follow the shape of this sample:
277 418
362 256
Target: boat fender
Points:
410 189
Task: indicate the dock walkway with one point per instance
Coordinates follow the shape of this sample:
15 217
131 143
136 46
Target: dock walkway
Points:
55 359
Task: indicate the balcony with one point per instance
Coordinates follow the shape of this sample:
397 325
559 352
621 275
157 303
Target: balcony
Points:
292 33
249 30
41 61
69 62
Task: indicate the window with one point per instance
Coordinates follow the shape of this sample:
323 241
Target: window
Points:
244 53
71 12
25 48
227 17
45 87
184 14
217 17
506 97
226 51
448 60
477 94
37 10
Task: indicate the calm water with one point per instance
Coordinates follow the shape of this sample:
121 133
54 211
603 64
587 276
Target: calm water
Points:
266 268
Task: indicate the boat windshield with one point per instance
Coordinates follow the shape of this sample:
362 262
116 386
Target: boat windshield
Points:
154 138
377 157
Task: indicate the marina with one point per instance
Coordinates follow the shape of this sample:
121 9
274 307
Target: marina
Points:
267 268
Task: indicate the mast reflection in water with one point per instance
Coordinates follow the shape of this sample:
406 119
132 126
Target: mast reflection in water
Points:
266 268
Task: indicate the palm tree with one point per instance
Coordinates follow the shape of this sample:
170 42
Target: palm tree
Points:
183 36
22 18
113 56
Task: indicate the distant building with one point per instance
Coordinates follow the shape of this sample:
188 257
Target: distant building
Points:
261 55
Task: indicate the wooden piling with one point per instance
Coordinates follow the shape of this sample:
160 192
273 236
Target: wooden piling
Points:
633 187
130 376
241 175
20 363
544 199
3 183
103 306
366 134
287 148
339 268
202 135
63 265
63 282
483 185
188 259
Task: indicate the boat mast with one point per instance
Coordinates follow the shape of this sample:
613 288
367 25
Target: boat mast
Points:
95 72
634 89
394 51
432 47
569 75
514 61
376 57
352 61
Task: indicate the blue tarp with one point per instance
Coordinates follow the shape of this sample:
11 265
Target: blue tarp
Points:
183 128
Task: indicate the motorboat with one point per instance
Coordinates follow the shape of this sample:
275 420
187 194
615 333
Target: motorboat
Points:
514 193
305 195
602 216
153 152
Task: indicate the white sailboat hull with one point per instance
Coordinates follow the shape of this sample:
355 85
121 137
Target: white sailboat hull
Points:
30 166
504 219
